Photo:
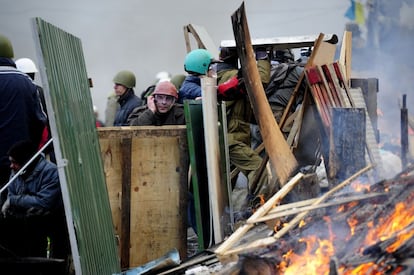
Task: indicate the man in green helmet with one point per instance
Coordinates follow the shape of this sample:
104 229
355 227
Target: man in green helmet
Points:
124 83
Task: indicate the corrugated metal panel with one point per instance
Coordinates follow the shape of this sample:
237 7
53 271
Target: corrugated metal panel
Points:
76 142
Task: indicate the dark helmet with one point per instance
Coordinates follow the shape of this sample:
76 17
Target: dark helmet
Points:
6 48
283 56
228 54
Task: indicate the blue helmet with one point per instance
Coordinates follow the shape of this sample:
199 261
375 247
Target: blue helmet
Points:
198 61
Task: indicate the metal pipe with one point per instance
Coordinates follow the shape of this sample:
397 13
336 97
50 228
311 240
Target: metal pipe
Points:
404 132
25 166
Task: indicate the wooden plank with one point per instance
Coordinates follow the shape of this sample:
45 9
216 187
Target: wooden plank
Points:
112 159
345 57
342 81
347 154
295 221
332 87
371 141
263 210
204 39
279 152
217 187
325 54
277 213
158 175
323 84
320 101
345 102
126 164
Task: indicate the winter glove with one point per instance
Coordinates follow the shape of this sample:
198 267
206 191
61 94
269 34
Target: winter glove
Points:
5 207
231 89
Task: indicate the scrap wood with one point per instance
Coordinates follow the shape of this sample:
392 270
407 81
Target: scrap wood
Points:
370 140
320 102
297 123
340 90
297 219
261 211
188 263
332 87
316 46
327 92
345 56
282 159
276 213
342 81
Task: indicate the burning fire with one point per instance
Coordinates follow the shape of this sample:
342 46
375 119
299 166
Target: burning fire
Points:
392 225
397 227
312 261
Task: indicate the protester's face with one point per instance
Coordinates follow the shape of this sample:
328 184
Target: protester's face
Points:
163 102
119 89
14 165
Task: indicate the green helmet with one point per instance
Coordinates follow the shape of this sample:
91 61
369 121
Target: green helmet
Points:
178 80
197 61
126 78
6 48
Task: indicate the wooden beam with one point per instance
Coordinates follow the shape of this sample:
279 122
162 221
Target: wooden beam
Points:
276 213
219 199
126 146
263 210
345 57
279 152
270 240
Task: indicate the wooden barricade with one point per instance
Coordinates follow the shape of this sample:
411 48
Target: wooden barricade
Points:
146 175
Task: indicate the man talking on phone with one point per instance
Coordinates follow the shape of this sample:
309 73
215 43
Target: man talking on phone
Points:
161 108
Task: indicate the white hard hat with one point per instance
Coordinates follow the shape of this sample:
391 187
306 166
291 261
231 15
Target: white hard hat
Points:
163 76
26 65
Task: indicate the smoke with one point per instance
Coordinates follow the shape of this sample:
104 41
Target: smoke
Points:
385 53
406 18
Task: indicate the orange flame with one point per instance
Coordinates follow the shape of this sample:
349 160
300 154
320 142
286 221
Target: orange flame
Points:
395 225
315 260
400 219
352 222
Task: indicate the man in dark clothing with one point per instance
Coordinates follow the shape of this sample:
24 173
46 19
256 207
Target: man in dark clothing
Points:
27 66
161 108
21 115
34 209
128 101
285 74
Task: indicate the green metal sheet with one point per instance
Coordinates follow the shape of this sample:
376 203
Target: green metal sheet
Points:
196 147
76 143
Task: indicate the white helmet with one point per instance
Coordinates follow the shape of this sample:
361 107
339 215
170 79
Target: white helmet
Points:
163 76
26 65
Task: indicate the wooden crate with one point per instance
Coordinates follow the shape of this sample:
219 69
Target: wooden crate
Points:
146 174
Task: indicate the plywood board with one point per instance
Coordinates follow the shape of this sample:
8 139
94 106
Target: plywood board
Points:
158 188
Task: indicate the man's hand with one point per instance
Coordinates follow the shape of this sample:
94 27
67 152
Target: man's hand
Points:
151 104
5 207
